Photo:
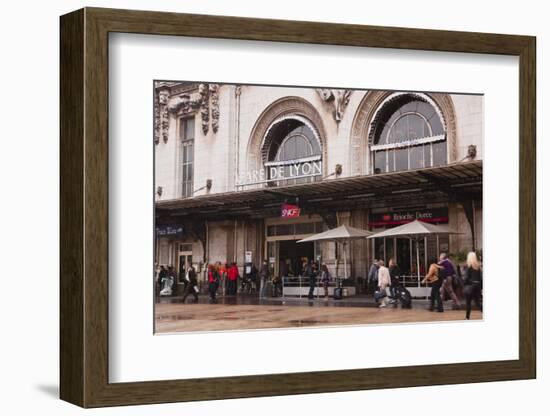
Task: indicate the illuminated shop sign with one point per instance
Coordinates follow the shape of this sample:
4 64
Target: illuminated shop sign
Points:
277 171
433 215
169 231
290 211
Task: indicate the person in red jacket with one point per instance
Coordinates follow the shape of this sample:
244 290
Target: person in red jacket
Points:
232 276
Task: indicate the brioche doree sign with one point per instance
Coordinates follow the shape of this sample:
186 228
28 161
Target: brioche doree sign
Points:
433 215
276 171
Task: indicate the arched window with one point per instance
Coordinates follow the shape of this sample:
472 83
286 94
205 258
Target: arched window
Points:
409 134
294 152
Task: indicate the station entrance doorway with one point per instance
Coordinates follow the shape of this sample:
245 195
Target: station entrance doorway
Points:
292 256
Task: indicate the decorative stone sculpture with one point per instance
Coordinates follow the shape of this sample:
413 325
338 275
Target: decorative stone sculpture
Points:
161 115
205 100
215 106
163 110
205 113
338 99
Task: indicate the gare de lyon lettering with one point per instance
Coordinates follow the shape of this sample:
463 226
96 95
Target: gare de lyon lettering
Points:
276 171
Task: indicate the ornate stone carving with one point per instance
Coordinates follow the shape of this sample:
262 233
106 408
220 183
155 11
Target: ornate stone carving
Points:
186 103
156 108
205 112
337 99
205 101
161 115
215 106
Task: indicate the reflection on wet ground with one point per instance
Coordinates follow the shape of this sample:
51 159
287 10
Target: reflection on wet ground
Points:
249 312
357 301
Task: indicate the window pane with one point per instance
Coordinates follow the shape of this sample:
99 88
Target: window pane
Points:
379 162
182 129
417 127
305 228
437 127
417 157
187 164
415 119
439 153
286 229
399 131
190 128
409 108
384 135
425 109
401 159
391 160
427 155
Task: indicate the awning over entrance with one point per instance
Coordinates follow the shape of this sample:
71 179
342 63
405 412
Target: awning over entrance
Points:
457 181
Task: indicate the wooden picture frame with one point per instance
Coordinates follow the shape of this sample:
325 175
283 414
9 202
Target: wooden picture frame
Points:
84 207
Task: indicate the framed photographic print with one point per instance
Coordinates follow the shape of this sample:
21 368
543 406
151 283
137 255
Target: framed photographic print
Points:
257 207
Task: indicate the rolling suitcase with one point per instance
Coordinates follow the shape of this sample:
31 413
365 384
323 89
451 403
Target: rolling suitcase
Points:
404 297
338 293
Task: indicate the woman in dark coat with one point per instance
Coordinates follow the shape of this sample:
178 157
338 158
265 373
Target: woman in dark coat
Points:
213 282
472 283
311 273
192 285
325 279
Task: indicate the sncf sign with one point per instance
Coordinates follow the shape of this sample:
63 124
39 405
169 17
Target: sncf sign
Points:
290 211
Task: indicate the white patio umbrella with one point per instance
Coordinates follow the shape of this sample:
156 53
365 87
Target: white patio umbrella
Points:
414 230
339 234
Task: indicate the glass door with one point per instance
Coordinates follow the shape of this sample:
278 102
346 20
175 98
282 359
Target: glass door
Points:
185 259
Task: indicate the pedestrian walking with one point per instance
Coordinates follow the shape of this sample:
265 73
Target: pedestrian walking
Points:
264 275
472 283
395 272
253 276
224 282
191 287
447 285
325 279
277 287
384 281
213 282
373 276
435 277
163 274
232 277
311 273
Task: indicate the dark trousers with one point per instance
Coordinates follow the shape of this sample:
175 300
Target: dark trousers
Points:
472 292
435 297
212 289
190 290
312 284
231 287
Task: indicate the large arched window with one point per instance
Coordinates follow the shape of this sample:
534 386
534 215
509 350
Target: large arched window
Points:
294 152
408 134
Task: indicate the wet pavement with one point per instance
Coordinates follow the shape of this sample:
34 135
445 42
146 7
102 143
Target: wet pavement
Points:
356 301
243 312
